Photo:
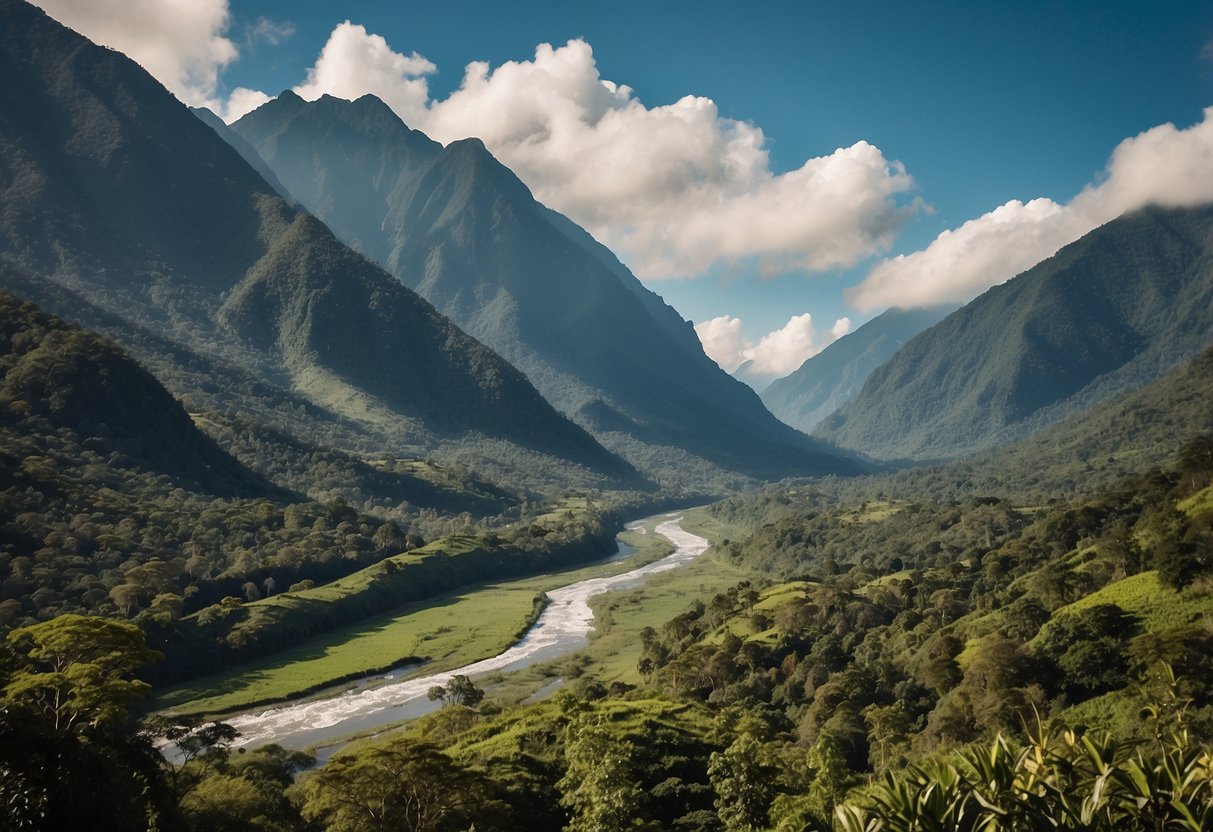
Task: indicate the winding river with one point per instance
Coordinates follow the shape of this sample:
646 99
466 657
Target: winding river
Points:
562 628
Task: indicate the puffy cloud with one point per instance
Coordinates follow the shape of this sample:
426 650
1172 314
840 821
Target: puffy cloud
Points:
776 354
181 42
354 62
242 101
1162 166
723 342
960 264
675 189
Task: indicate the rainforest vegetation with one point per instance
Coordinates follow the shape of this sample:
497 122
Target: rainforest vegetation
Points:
889 665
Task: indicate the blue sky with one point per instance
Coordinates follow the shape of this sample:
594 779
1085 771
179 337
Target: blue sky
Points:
981 102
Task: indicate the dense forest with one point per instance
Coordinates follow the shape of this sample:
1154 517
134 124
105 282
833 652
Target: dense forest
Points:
888 665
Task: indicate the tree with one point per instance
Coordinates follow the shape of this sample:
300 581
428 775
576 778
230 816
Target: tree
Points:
744 779
249 791
888 727
599 788
832 778
199 747
1196 462
76 670
459 691
398 785
93 782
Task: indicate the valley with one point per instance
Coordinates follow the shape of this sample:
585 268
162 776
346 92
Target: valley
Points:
351 481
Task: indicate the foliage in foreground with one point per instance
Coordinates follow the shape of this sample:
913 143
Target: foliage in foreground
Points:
1063 781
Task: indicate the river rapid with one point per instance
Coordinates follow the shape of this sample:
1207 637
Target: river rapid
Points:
563 627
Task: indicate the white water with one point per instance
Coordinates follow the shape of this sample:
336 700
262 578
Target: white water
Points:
563 627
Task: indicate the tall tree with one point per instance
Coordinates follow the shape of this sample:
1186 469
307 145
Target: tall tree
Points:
77 669
398 785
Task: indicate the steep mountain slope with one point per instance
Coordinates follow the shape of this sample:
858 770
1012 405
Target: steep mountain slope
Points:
1108 313
834 376
113 187
466 233
1131 432
59 377
1085 452
247 152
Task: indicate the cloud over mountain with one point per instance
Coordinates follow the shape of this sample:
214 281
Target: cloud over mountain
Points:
183 43
1163 166
776 354
675 188
355 62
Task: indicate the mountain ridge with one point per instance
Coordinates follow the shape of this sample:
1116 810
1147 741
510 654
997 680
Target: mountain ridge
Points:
466 233
1109 313
831 378
132 201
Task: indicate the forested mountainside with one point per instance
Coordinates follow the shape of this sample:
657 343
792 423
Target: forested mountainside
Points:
1107 314
247 152
56 377
466 233
121 194
118 503
830 379
1082 454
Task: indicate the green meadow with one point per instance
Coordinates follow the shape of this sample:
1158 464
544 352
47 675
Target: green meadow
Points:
447 632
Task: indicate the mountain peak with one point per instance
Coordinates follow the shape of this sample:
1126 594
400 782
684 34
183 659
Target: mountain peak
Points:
472 144
133 199
1108 313
460 227
371 102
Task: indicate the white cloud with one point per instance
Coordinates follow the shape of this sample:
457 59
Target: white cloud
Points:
674 189
269 30
355 62
776 354
723 342
1162 166
181 42
242 101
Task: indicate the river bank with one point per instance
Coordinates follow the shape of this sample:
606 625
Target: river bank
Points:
562 628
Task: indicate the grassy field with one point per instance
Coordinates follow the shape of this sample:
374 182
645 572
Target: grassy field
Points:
614 648
449 631
635 720
1158 607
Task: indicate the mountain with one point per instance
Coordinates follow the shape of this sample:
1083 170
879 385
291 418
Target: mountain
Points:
1132 432
1109 313
117 191
1087 451
247 152
744 372
830 379
54 376
466 233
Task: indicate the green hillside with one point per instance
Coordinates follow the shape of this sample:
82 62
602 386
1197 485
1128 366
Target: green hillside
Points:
1083 453
1107 314
120 194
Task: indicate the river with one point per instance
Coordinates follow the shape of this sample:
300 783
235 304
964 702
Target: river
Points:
563 627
